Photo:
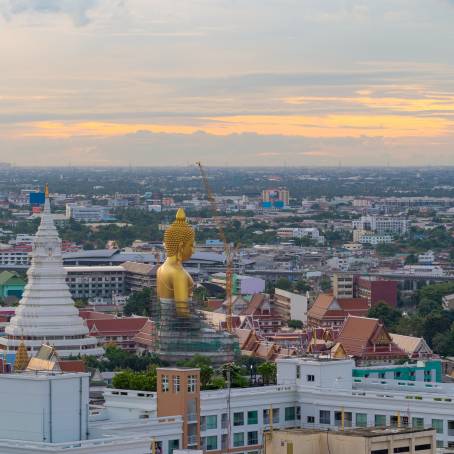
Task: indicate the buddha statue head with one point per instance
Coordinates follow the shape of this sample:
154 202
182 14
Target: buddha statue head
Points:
179 238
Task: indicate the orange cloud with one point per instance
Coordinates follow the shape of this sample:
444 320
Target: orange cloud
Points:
394 104
336 125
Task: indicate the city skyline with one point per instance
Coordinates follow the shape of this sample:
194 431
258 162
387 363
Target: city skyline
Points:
143 83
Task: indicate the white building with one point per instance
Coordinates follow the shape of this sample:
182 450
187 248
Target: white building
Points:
90 282
13 257
298 232
382 225
290 306
87 213
428 258
50 404
46 311
375 239
310 393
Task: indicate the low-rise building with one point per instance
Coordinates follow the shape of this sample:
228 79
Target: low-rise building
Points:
87 213
289 305
359 441
95 282
376 290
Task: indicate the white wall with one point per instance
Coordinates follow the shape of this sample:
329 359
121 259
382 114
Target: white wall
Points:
44 408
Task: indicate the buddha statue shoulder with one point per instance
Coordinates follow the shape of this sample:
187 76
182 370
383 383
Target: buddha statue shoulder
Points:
173 282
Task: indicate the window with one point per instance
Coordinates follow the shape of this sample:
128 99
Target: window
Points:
325 417
176 384
451 428
165 383
253 438
310 378
290 413
380 421
238 439
437 424
252 417
238 419
210 443
311 419
425 447
361 420
173 444
298 413
379 451
192 381
266 416
209 422
347 418
417 423
402 449
298 371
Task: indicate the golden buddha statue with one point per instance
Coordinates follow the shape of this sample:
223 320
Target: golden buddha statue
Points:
173 282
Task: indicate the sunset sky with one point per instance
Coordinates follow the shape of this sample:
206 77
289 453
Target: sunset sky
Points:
228 82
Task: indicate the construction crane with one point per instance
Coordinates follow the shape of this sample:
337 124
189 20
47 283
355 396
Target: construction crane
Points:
228 249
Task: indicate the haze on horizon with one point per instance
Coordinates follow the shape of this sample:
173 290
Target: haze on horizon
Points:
237 82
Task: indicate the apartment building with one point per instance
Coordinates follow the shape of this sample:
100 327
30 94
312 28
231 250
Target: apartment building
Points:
382 225
95 282
139 276
290 306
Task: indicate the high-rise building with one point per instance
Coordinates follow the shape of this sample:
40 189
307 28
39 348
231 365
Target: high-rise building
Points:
275 198
46 312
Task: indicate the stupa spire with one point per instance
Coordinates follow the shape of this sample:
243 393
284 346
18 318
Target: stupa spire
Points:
46 310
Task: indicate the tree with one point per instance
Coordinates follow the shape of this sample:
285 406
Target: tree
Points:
284 284
411 259
302 286
325 284
387 314
268 371
139 303
296 324
387 250
139 381
80 303
121 380
427 306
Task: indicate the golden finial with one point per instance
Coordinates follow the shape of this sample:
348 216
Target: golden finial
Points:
178 232
46 190
181 215
22 358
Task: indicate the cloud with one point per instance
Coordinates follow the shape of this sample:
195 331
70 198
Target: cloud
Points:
77 10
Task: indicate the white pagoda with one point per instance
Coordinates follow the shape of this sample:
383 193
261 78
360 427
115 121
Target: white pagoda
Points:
46 312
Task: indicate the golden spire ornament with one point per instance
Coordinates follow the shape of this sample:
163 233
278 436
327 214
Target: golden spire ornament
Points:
22 358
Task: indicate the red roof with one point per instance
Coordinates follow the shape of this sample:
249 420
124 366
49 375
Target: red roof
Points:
72 365
129 326
327 307
366 337
93 315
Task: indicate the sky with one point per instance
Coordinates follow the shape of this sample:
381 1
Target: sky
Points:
227 82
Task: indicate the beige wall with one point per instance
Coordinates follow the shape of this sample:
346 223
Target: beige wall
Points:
308 442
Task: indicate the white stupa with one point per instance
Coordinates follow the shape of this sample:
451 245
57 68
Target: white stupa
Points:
46 312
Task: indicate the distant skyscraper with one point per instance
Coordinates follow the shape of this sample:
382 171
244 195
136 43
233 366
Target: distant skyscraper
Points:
46 312
275 198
